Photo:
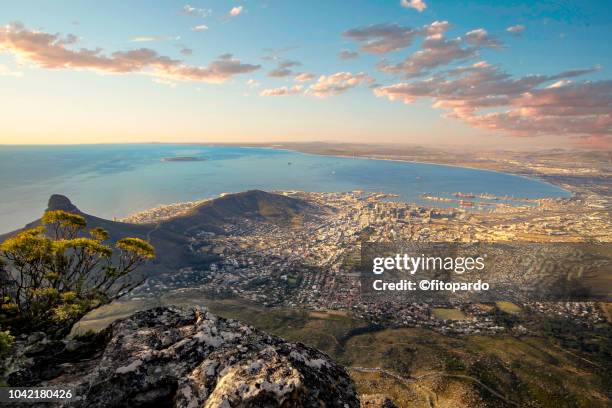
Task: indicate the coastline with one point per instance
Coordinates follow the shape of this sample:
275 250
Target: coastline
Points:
526 176
139 217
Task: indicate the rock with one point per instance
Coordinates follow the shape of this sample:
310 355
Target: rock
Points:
376 401
172 357
60 202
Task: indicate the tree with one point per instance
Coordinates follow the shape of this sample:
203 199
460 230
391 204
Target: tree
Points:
53 275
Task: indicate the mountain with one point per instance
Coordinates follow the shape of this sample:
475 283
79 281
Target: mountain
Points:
252 204
171 237
172 357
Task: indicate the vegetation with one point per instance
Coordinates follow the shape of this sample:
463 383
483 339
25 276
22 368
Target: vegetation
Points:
52 275
532 370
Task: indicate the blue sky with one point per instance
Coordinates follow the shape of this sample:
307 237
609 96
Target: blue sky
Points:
181 90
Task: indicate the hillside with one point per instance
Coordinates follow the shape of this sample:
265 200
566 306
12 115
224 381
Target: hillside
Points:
171 237
252 204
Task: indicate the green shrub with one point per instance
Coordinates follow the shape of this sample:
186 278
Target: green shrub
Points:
52 275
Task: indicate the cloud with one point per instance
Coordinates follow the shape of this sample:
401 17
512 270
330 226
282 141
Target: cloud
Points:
382 38
186 51
220 70
435 51
418 5
275 54
251 83
283 69
385 38
196 12
486 97
199 27
480 38
304 76
337 83
282 91
516 29
50 51
152 38
235 11
348 54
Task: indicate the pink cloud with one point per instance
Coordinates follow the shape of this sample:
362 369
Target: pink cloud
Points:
304 76
50 51
282 91
337 83
480 38
385 38
435 51
235 11
418 5
486 97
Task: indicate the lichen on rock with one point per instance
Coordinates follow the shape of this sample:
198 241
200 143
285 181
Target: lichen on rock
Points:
173 357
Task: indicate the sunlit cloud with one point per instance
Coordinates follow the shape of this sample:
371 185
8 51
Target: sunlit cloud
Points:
486 97
235 11
282 91
437 51
200 27
153 38
304 76
418 5
50 51
516 29
337 83
480 38
385 38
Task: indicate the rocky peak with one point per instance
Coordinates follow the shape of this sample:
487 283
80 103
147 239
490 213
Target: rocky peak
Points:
61 202
172 357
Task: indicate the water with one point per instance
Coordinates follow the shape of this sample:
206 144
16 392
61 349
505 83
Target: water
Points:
117 180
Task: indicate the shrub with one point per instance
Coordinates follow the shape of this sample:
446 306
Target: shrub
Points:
52 275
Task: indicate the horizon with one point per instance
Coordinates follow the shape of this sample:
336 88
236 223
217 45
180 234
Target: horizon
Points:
292 145
402 71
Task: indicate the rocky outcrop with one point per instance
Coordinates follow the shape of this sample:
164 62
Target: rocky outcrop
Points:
61 202
172 357
376 401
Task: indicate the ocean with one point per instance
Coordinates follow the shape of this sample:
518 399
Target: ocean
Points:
116 180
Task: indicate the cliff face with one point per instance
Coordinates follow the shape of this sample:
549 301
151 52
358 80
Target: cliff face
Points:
171 357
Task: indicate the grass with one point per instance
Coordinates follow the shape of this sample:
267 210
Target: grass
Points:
508 307
529 370
449 314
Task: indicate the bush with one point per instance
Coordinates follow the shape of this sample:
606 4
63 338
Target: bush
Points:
6 343
52 275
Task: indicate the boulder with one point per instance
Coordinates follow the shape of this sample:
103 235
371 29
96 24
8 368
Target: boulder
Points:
173 357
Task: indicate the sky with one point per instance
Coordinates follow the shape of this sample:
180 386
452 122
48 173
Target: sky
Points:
496 74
